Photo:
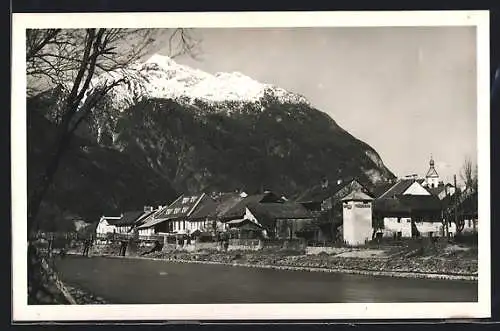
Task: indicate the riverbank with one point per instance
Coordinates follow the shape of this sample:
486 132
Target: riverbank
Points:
456 264
157 281
365 272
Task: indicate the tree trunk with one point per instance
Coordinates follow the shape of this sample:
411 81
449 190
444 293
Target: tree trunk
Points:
43 185
44 287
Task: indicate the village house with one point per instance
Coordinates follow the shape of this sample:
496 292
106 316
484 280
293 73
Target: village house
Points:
174 218
107 225
407 209
123 223
234 213
324 202
202 218
266 214
282 219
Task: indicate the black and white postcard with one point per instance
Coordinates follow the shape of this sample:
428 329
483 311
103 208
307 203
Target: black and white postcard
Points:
239 166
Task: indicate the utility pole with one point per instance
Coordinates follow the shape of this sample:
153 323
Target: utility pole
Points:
455 200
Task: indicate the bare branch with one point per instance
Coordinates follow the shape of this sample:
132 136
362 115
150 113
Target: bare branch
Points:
34 46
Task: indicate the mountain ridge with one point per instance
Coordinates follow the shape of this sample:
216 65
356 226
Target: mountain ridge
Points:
263 138
162 78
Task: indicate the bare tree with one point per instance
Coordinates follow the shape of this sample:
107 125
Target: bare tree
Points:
71 59
468 175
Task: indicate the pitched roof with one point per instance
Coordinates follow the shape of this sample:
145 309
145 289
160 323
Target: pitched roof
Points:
226 201
241 222
357 196
144 217
380 188
398 188
238 209
207 207
436 190
128 218
389 206
421 202
407 204
318 193
267 213
151 221
181 207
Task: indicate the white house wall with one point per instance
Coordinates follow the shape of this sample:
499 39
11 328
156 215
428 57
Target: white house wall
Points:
392 226
104 227
147 231
416 189
426 227
470 226
357 222
197 225
122 229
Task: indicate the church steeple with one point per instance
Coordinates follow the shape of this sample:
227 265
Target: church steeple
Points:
432 177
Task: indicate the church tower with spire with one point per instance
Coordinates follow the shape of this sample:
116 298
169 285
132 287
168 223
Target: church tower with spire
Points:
432 177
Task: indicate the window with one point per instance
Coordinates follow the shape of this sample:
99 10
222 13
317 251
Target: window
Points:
185 200
177 210
168 211
193 199
399 220
408 220
470 223
185 209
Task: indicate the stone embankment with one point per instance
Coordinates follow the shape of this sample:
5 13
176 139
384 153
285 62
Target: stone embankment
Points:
439 261
435 267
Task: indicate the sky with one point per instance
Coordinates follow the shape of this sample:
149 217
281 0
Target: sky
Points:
409 92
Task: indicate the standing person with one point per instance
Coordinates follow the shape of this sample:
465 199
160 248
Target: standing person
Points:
123 247
86 246
91 243
226 241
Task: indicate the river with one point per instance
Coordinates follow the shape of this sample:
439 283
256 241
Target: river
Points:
141 281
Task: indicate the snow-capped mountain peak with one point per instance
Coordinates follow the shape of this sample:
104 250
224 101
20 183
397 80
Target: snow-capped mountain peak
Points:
162 77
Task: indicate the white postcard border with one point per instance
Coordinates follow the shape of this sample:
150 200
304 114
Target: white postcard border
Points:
23 312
